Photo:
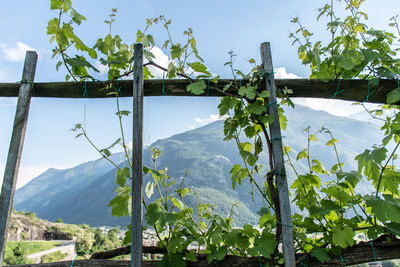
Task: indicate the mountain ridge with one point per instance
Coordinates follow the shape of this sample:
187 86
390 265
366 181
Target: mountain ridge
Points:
202 156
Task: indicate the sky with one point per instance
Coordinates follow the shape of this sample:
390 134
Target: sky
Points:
219 26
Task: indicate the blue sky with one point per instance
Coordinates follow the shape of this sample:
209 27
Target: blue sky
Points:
219 26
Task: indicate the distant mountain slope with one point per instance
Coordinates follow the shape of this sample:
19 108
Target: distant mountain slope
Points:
78 197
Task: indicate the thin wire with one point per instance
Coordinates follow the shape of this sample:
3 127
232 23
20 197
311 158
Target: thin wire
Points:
163 84
85 93
343 260
373 250
208 87
301 261
338 91
369 93
119 88
72 264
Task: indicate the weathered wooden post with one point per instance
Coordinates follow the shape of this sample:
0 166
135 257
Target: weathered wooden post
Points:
137 149
279 164
15 150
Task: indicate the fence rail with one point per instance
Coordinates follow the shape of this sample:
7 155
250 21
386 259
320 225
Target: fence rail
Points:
352 90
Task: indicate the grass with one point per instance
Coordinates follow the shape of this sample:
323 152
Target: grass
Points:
31 246
53 257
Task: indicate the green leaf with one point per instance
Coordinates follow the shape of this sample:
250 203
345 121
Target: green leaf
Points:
248 157
191 256
313 138
227 103
149 189
385 210
237 175
353 178
55 4
257 108
197 87
247 91
264 94
120 204
121 174
331 142
302 154
152 213
76 17
172 70
123 113
199 67
343 237
321 255
176 51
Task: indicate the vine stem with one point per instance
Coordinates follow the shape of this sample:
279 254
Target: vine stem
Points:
122 133
60 44
251 175
384 167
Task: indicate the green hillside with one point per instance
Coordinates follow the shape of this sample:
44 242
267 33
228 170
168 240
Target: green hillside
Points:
78 197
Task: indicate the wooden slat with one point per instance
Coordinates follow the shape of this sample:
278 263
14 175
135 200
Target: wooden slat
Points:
279 163
137 148
15 150
358 254
354 90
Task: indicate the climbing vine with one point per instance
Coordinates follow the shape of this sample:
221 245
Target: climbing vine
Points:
330 210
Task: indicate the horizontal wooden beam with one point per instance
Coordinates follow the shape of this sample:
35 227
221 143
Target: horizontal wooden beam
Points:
353 90
360 253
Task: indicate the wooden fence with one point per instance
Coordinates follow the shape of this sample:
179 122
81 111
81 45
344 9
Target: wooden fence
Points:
353 90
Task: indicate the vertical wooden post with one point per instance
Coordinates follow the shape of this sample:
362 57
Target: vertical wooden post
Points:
279 164
15 150
137 149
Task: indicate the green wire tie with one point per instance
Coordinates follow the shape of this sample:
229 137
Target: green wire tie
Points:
301 261
85 93
343 260
72 264
278 138
208 87
163 85
259 258
338 91
216 262
272 103
280 173
240 83
369 93
267 74
398 83
287 225
373 250
119 88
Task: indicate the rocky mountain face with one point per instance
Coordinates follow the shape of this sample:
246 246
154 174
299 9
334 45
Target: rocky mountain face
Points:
81 194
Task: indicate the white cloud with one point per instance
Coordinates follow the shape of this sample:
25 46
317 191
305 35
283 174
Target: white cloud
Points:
102 68
161 59
17 52
210 119
336 107
281 73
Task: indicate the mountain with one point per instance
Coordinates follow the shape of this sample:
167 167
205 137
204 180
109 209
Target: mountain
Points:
81 194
